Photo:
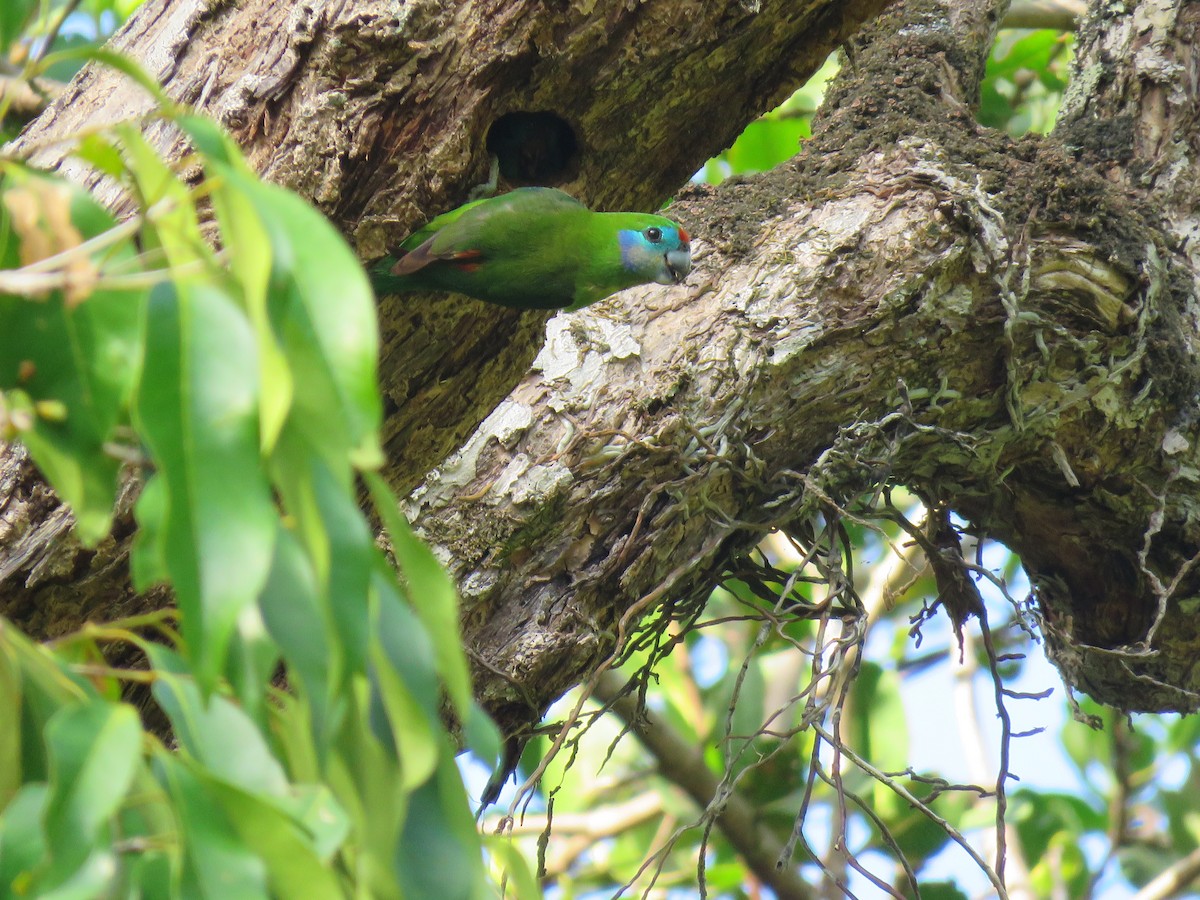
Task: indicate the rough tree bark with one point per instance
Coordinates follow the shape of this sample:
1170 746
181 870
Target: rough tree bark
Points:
378 112
1008 326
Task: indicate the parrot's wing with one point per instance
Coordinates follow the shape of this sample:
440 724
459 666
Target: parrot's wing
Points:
415 260
468 234
433 226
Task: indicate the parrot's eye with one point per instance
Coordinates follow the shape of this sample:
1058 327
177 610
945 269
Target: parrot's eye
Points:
653 235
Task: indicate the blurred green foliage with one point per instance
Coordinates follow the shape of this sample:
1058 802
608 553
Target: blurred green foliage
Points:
241 383
774 137
43 43
1026 76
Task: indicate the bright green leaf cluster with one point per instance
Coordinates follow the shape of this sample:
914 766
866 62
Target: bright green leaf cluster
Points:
775 136
1026 76
239 384
67 366
43 44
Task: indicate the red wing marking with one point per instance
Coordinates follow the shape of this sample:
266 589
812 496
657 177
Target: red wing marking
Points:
421 257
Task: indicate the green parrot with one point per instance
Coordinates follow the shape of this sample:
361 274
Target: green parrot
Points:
536 248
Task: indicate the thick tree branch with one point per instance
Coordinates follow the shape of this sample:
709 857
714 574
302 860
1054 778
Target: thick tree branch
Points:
379 113
914 299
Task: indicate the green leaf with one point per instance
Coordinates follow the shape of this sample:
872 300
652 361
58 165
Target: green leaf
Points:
405 683
1040 815
45 689
439 853
1182 734
1063 870
15 16
216 863
352 553
210 141
148 560
323 311
431 592
94 749
124 8
290 466
878 725
151 874
1026 77
747 715
765 143
171 224
321 816
11 707
287 850
1085 745
365 777
98 151
293 732
482 736
253 661
519 878
250 789
725 876
144 825
251 256
196 407
320 303
207 729
298 620
941 890
95 877
22 840
918 837
74 354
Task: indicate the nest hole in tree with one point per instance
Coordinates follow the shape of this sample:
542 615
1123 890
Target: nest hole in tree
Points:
534 148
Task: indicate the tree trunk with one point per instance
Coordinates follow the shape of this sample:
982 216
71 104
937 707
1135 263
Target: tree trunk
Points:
1003 325
378 112
1007 326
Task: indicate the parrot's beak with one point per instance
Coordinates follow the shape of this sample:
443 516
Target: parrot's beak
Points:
679 263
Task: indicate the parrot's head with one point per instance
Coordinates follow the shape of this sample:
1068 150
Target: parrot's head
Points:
656 249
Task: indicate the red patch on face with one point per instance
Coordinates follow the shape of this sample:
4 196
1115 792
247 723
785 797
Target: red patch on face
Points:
468 266
683 236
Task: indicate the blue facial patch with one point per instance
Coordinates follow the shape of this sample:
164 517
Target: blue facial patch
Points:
628 240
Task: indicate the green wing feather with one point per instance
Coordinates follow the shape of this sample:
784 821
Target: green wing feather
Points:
520 249
536 248
436 224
